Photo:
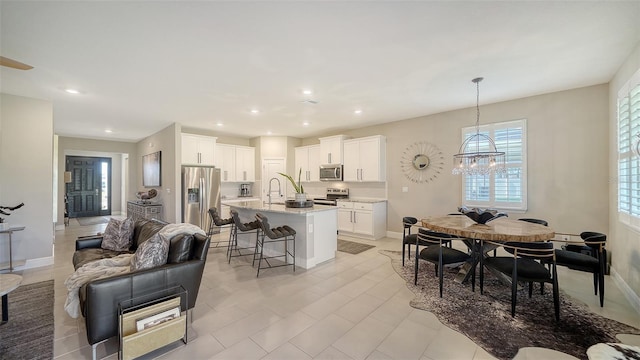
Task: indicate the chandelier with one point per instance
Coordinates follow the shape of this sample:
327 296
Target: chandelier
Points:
478 154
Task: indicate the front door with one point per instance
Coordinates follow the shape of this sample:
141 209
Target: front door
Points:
89 192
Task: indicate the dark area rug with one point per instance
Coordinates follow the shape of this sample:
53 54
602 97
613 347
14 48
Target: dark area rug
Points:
352 247
486 319
93 220
29 332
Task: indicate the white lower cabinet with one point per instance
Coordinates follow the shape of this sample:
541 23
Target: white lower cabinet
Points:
362 219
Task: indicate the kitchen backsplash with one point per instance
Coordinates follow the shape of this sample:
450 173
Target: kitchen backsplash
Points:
232 190
316 189
356 190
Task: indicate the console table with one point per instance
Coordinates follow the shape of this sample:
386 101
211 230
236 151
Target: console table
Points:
138 210
10 232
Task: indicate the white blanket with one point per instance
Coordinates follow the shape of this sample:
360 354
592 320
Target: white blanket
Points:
171 230
91 271
120 264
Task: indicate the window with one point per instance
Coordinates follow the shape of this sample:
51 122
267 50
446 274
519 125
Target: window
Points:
500 191
628 146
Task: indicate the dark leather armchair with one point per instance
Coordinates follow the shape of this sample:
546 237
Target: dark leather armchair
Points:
99 299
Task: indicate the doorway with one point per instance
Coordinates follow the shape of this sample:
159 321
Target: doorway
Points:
270 170
89 191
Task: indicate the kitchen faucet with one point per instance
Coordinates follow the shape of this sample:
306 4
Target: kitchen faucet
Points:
279 189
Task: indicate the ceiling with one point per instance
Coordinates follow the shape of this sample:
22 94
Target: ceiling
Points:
141 66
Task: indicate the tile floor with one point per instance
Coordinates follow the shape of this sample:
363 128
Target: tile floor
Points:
355 307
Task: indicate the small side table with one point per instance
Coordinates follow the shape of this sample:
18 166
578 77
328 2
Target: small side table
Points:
8 283
9 232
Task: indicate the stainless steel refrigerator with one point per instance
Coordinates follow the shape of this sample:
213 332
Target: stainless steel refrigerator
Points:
200 191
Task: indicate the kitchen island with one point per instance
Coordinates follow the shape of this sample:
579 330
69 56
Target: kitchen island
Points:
316 229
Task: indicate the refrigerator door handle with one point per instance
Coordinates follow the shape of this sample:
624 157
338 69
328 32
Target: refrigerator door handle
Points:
202 197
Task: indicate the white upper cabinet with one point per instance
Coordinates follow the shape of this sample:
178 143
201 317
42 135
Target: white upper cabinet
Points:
308 159
245 163
365 159
198 150
236 163
226 161
331 149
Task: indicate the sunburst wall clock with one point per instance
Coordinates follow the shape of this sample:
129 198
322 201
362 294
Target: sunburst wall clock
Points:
422 162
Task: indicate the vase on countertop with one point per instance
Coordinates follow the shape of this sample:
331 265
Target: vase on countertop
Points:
301 197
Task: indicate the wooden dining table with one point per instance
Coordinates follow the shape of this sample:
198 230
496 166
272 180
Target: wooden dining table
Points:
501 229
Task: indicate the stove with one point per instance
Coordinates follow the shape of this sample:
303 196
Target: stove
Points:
333 194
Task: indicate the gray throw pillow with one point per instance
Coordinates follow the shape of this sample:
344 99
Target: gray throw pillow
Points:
117 235
150 253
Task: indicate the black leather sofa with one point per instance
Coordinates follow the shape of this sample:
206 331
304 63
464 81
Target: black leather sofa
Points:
99 299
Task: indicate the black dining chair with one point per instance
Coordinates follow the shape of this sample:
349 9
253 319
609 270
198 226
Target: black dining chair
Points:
408 238
525 265
539 222
535 221
439 254
588 255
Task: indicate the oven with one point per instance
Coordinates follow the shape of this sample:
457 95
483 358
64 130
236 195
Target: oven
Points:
332 196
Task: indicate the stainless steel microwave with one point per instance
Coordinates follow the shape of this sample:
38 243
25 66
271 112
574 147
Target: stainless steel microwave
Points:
331 172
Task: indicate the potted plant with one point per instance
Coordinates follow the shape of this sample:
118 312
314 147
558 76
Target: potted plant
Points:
5 210
300 195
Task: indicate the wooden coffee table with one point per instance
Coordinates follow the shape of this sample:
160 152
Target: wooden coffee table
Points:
8 283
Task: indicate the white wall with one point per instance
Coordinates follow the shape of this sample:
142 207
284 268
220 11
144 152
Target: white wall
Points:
623 242
169 141
567 149
26 168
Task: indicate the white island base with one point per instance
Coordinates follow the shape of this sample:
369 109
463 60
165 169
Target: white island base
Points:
316 230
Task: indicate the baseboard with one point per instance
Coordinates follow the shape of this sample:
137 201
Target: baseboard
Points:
59 227
394 234
626 290
35 263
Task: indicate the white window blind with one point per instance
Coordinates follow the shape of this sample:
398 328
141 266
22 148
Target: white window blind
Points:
628 143
500 191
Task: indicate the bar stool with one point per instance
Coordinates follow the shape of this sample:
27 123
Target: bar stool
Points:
216 220
279 234
246 228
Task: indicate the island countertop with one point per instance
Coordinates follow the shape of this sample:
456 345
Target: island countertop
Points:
280 208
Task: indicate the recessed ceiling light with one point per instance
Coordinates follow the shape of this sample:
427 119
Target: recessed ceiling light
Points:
108 131
269 133
254 111
219 124
72 91
307 92
357 112
306 123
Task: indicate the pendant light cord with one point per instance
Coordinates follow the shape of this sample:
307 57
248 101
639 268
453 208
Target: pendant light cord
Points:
477 81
